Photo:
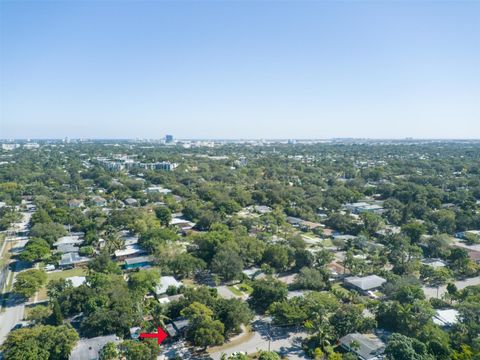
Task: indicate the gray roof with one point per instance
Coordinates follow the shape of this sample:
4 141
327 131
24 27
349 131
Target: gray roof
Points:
66 248
88 349
138 260
370 346
72 258
365 283
165 283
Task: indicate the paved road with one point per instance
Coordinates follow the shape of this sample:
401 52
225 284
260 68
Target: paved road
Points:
287 341
431 292
14 308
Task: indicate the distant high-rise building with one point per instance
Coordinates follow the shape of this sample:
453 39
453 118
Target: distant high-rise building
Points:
168 139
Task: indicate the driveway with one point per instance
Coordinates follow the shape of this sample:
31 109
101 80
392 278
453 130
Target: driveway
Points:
286 341
431 292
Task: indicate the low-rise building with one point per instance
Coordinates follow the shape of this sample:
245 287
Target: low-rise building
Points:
137 262
75 203
365 346
364 284
89 349
165 283
131 202
77 280
434 263
70 260
446 318
130 251
99 201
177 327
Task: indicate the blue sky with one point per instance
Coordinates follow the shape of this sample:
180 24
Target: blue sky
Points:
106 69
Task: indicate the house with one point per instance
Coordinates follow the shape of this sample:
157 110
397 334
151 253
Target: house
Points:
262 209
294 221
137 262
304 224
434 263
130 251
446 318
183 224
99 201
165 283
70 260
77 280
365 346
67 248
131 202
68 240
360 207
89 349
472 250
158 189
364 284
254 273
177 327
75 203
169 299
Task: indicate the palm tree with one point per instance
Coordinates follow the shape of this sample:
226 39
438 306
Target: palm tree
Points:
323 332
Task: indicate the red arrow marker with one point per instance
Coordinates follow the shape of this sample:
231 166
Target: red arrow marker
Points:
160 335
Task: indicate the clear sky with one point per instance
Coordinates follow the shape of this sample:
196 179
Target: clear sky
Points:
126 69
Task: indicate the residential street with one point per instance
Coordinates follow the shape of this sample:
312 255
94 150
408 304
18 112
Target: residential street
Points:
431 292
287 341
14 308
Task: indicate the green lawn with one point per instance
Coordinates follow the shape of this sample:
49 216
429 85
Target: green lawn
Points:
240 289
55 275
234 290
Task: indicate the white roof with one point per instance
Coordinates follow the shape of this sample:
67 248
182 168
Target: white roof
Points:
77 280
73 239
446 317
165 283
129 250
366 282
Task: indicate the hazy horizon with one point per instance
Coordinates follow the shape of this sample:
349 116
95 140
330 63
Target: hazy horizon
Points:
253 70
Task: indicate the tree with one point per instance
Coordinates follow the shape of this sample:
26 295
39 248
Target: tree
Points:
414 230
102 263
43 342
311 279
347 319
108 352
164 215
185 265
39 314
268 355
266 292
228 264
371 222
139 350
232 313
36 250
143 281
28 282
276 256
203 330
49 232
57 317
401 347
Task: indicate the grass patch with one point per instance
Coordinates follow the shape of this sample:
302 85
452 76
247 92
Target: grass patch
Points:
240 289
234 290
55 275
327 243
